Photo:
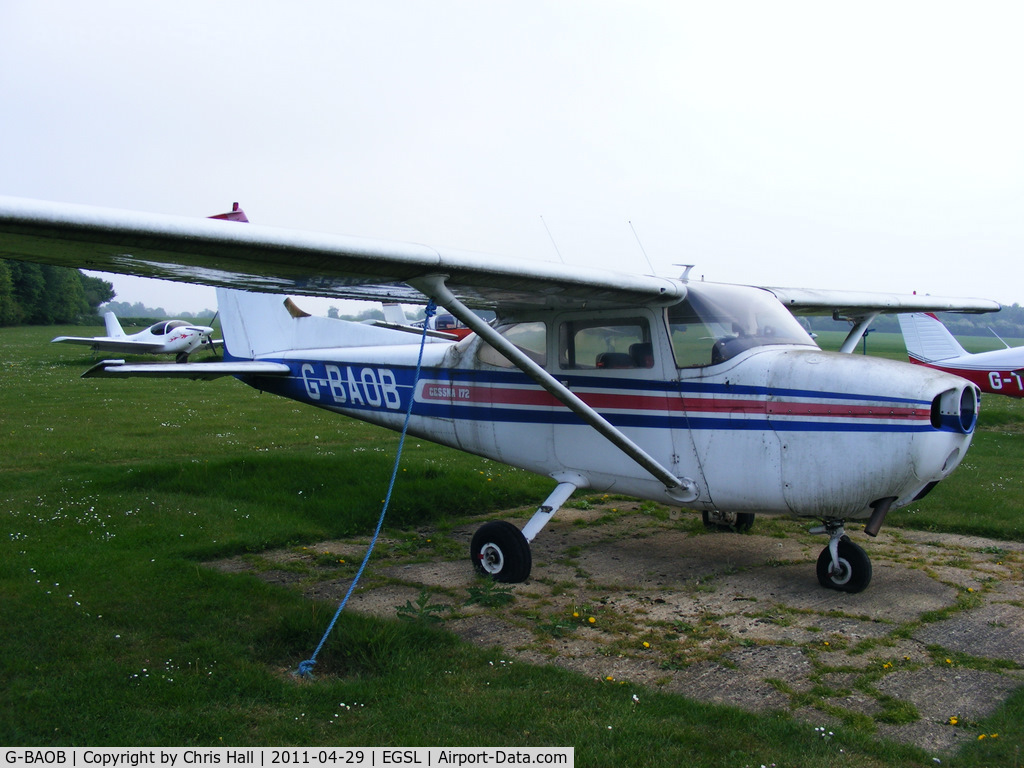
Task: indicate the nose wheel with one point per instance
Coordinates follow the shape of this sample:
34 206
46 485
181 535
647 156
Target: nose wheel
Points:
842 565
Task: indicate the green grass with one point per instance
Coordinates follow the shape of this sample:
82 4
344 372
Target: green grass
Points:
112 493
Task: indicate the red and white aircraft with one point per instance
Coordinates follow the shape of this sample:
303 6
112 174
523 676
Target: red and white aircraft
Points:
443 325
929 343
168 337
692 394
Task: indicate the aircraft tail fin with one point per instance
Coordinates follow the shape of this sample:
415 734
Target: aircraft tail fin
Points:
394 314
262 324
235 214
113 327
927 339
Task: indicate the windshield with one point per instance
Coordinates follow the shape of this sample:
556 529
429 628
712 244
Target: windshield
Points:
716 322
530 338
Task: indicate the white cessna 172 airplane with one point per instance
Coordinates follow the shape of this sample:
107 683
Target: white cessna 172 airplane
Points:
692 394
168 337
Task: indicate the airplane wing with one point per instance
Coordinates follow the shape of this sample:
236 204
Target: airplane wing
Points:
855 304
274 260
118 369
862 307
110 345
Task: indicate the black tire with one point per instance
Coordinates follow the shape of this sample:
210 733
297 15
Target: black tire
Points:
855 574
740 522
500 550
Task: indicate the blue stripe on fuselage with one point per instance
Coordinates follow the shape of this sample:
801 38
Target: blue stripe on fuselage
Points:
362 387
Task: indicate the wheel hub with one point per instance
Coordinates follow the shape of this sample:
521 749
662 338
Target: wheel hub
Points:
840 572
491 558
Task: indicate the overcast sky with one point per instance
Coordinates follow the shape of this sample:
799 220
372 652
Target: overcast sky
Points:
836 145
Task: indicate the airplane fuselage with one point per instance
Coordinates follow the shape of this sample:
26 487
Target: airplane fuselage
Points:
998 372
749 433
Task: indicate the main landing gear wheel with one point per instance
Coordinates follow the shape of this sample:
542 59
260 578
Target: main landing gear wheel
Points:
500 550
854 572
729 521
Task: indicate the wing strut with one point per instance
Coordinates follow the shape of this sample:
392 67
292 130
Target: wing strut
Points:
434 287
861 324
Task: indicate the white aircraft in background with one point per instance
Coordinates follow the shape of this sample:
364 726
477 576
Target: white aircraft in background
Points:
692 394
168 337
929 343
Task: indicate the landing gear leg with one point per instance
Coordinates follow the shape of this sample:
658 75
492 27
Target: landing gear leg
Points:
842 565
502 551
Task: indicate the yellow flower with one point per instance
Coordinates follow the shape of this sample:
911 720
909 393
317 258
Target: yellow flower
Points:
575 614
826 642
982 736
610 679
970 589
953 721
646 644
949 661
592 620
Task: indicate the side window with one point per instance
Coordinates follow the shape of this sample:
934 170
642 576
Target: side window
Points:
602 344
692 339
530 338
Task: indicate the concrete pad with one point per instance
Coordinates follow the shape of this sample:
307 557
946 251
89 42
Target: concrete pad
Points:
733 619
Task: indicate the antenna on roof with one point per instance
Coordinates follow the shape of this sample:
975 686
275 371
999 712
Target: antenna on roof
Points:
649 265
552 239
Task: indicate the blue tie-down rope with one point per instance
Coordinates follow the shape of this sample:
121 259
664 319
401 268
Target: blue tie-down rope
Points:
306 667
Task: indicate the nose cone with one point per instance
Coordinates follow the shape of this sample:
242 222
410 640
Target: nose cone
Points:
196 336
885 429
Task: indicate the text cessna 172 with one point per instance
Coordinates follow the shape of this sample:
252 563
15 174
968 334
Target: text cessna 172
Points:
929 342
168 337
707 396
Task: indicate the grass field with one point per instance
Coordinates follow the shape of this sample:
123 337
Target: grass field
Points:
113 493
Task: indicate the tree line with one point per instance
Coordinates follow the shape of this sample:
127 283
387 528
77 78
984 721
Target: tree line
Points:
40 294
139 311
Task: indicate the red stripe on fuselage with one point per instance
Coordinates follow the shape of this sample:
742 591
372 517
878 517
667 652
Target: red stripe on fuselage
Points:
538 398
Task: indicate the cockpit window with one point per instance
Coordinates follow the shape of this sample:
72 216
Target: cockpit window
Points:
717 322
531 339
166 327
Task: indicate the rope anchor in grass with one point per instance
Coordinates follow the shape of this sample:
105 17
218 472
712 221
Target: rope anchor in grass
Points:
306 667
